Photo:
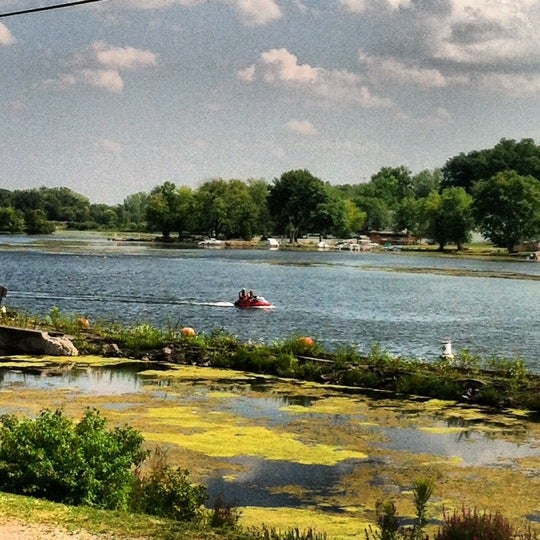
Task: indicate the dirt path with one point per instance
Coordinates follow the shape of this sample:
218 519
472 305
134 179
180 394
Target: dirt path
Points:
17 530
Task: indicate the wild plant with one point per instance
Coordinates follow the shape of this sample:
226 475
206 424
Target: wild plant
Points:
224 515
266 533
472 525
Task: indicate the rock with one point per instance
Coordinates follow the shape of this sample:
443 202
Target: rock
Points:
112 350
15 340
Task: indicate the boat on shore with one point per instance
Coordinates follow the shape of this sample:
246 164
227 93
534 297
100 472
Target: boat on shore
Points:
210 243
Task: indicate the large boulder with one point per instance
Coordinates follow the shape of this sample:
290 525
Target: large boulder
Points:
15 340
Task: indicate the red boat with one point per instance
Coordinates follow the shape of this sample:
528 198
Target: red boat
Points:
246 301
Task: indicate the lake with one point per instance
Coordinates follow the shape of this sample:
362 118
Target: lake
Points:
406 303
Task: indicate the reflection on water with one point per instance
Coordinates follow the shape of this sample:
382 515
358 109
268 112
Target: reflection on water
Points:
94 381
265 483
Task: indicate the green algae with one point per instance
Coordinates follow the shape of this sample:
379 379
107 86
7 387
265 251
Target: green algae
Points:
193 419
233 441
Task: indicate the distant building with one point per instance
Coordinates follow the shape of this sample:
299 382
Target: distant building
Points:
391 237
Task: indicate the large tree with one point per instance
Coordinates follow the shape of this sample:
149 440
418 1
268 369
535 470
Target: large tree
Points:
447 217
507 208
466 169
297 202
168 209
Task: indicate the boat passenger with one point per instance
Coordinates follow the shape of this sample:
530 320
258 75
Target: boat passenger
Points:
242 294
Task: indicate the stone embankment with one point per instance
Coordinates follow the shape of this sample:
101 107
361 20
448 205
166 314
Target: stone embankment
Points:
15 340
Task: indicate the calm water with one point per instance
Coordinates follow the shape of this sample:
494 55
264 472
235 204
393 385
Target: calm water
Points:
338 298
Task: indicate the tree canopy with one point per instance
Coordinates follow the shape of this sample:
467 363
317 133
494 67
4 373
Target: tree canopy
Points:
507 208
464 170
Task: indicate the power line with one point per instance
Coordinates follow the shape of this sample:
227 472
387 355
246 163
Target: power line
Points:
47 8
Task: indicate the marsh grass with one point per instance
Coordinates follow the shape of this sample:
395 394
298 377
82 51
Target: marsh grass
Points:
501 382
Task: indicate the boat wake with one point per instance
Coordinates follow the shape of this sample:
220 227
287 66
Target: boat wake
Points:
117 299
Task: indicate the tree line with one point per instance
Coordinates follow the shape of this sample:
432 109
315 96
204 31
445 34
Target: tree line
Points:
494 191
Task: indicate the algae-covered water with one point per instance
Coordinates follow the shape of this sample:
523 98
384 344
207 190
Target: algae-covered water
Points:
303 455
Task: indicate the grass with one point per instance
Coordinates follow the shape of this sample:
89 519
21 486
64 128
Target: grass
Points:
498 383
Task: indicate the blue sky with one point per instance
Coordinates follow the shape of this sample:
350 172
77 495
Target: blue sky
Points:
116 97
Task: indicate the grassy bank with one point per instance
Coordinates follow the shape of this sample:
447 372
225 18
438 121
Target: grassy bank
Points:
467 378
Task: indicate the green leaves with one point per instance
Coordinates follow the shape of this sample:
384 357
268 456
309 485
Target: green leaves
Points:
51 457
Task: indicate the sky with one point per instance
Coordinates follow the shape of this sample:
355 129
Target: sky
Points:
115 97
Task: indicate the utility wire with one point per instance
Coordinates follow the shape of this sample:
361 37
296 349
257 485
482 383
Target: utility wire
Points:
47 8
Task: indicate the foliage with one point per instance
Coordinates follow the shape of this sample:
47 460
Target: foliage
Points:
267 533
167 492
447 217
85 463
472 525
299 202
507 208
465 170
224 515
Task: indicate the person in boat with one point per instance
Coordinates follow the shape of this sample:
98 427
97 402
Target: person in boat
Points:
242 294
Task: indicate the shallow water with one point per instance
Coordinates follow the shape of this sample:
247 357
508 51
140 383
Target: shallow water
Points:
249 419
402 302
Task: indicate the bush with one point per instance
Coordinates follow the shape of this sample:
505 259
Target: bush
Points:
52 458
471 525
167 492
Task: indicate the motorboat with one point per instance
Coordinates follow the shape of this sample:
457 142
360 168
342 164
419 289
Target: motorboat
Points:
247 302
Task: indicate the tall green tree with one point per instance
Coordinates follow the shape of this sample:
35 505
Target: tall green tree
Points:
466 169
132 211
507 208
447 217
163 212
11 220
295 202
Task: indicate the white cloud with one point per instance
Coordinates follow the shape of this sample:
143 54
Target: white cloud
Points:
109 79
6 38
122 57
390 69
281 68
354 6
251 12
281 65
101 67
302 127
257 12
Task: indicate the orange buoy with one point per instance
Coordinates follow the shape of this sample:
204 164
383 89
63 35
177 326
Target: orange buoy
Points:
187 331
306 340
84 323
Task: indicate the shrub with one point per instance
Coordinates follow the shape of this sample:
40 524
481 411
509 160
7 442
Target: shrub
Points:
167 492
50 457
224 515
471 525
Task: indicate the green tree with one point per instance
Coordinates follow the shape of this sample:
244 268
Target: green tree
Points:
258 191
466 169
296 201
63 204
169 209
507 208
447 217
210 207
132 212
425 182
11 220
355 220
36 222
